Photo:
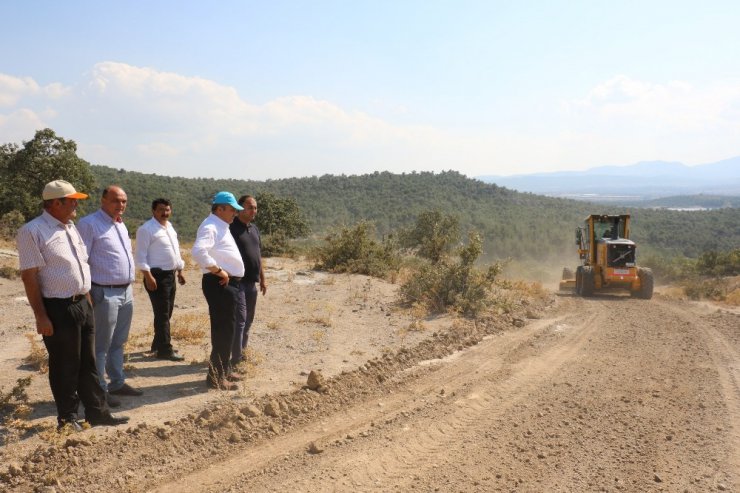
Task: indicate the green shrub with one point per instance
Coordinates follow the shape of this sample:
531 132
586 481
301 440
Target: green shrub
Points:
452 283
669 269
10 222
9 272
719 263
354 250
710 289
277 244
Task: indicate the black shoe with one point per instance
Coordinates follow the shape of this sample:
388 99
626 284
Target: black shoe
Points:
112 401
126 389
72 426
108 420
173 356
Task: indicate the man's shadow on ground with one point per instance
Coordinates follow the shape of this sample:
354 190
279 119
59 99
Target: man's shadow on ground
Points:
153 394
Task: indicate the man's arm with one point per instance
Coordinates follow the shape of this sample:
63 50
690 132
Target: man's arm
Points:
33 293
263 284
143 240
87 233
205 240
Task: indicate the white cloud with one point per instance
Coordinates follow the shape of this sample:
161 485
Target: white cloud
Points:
19 125
146 120
12 89
677 106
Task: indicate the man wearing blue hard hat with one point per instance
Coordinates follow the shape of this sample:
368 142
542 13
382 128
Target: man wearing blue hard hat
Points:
218 257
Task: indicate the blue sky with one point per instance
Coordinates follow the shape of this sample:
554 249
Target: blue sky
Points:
260 90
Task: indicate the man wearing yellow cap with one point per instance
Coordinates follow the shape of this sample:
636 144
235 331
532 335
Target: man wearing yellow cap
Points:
56 276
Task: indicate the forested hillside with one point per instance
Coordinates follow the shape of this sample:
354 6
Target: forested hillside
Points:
513 224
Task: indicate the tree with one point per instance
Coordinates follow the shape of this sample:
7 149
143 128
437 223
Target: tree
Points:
24 171
279 220
433 235
280 215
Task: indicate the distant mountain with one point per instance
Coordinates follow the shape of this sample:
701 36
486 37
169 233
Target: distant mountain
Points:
642 181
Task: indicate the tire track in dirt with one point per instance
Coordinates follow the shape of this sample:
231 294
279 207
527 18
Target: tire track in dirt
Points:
726 359
512 364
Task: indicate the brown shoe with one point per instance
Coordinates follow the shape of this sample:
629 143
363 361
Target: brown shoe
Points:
221 384
235 376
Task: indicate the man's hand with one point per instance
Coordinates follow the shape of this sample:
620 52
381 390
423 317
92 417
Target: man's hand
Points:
224 277
263 287
149 282
33 293
43 325
180 278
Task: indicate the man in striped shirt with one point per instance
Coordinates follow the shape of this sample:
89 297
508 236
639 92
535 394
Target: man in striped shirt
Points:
56 276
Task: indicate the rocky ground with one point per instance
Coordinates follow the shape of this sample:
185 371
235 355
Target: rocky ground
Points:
350 392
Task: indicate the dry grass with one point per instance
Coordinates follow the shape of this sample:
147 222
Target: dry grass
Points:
530 289
139 341
318 335
323 320
673 293
321 315
14 411
273 325
360 293
254 360
733 298
416 325
37 358
329 280
190 328
205 356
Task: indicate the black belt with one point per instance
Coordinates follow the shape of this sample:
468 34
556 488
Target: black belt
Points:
164 271
119 286
71 299
231 278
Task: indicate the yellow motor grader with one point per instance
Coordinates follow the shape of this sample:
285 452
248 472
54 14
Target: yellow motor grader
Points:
607 259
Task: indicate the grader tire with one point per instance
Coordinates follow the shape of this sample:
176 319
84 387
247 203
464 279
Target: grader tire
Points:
588 284
646 283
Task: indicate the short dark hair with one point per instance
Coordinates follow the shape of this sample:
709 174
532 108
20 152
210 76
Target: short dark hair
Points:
243 199
48 203
162 201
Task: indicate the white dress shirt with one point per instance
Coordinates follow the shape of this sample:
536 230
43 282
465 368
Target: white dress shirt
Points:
215 246
157 247
57 250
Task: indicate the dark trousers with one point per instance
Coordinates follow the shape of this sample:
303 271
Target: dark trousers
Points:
73 376
222 302
163 302
246 304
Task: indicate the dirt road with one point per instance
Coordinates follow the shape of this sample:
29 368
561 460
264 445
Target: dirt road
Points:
607 394
602 394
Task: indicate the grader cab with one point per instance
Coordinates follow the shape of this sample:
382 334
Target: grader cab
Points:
607 259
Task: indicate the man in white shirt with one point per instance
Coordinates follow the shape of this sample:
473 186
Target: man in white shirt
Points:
56 275
218 257
158 258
